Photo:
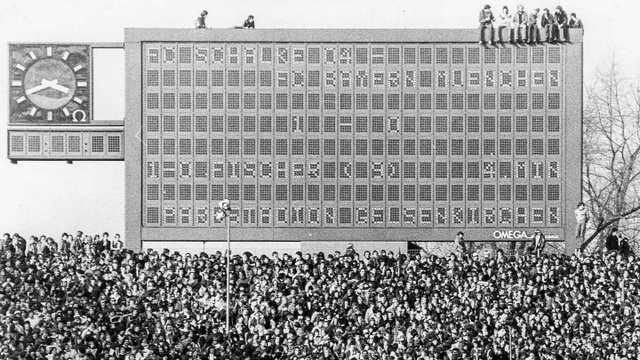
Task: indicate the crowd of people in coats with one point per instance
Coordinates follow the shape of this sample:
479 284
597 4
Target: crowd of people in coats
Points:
523 27
83 297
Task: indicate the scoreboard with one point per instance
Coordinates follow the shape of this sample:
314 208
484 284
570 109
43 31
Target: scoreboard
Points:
349 134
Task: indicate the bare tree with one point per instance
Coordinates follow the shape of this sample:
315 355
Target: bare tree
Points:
612 152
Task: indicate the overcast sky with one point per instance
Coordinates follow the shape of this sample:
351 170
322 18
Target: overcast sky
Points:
52 197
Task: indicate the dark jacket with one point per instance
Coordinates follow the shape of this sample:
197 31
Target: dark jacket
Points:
577 23
625 249
533 19
21 245
612 242
200 23
485 17
249 24
561 17
547 19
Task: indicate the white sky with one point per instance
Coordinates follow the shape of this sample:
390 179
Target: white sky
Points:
52 197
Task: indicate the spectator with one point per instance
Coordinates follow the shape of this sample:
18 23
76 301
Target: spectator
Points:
105 243
560 25
150 305
78 246
574 22
538 242
486 23
52 245
613 240
547 22
534 30
6 240
582 218
21 244
505 21
520 24
7 245
249 23
117 244
32 247
42 245
460 245
201 20
65 244
625 248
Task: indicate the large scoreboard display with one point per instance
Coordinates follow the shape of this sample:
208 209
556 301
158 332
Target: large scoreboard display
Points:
358 135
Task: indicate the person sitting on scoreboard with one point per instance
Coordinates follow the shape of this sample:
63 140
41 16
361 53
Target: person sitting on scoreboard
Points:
520 24
486 20
249 23
574 22
533 29
200 20
547 22
504 22
560 26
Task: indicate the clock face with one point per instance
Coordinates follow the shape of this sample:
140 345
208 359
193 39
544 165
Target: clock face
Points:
50 84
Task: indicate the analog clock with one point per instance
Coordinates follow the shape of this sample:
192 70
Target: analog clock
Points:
49 84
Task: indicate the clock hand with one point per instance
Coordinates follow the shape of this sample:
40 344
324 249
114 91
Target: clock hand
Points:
60 88
43 85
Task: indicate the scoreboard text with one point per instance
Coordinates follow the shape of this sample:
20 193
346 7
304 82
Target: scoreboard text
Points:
353 134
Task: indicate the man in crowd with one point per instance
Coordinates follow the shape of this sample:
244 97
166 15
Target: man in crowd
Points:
103 244
613 240
52 245
33 245
538 242
21 244
117 243
65 244
460 245
6 240
78 246
582 218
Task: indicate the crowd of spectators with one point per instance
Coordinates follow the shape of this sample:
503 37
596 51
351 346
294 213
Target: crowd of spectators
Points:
523 27
88 298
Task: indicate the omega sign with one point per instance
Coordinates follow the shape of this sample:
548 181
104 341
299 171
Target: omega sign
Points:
517 234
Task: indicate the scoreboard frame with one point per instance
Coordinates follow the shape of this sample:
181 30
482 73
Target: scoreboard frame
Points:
137 233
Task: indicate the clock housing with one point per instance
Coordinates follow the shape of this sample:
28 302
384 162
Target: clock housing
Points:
50 84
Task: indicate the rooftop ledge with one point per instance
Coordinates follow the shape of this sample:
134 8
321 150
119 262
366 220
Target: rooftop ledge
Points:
317 35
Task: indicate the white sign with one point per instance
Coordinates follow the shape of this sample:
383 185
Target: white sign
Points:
518 234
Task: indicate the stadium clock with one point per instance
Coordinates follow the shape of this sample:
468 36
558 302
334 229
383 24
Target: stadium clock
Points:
49 84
